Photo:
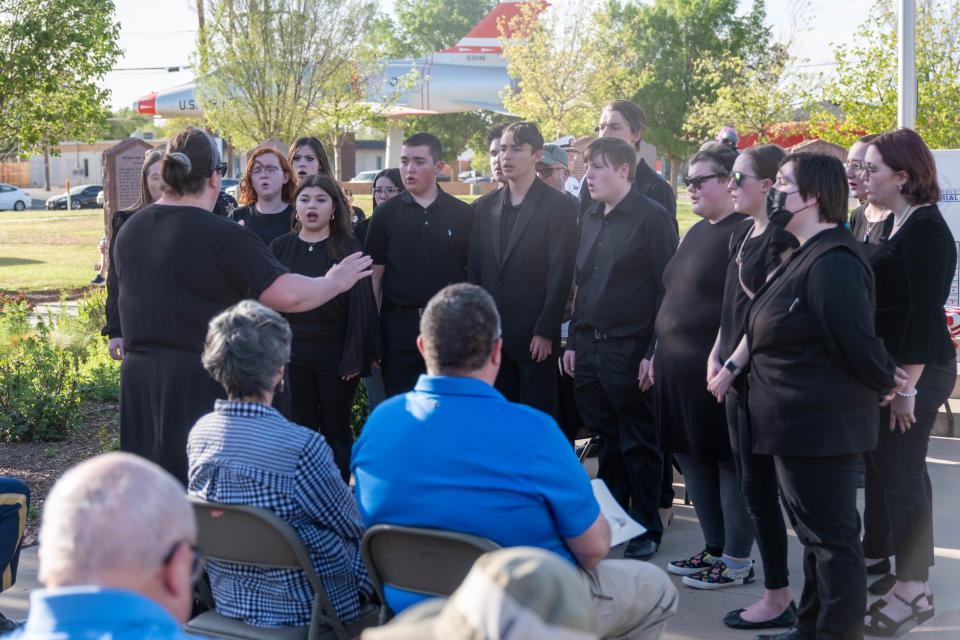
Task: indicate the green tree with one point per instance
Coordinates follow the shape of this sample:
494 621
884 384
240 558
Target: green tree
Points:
265 65
864 83
428 26
53 56
562 80
750 98
662 46
123 123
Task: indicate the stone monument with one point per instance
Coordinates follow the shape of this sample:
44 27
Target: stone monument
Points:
122 164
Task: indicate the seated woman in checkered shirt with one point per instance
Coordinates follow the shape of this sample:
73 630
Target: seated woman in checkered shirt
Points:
246 452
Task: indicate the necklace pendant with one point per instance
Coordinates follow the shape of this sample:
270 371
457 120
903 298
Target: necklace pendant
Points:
310 248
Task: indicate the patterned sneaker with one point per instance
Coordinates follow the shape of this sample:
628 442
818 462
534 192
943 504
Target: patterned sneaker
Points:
719 576
696 564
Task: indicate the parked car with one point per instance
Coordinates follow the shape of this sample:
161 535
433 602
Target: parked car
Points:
464 176
101 198
82 196
365 176
14 198
472 179
226 183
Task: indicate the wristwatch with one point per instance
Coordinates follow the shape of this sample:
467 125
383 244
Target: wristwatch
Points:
731 366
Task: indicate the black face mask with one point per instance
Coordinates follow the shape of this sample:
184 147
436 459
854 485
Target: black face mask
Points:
777 212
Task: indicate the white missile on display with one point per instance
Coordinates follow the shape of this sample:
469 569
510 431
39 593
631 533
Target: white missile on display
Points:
466 77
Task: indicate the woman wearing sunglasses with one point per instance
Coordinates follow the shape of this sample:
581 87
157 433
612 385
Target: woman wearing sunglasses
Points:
692 424
177 267
756 249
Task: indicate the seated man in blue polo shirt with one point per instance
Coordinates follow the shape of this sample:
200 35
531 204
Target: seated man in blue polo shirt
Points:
495 469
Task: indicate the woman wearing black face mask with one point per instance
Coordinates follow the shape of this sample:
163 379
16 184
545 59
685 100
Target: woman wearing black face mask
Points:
818 373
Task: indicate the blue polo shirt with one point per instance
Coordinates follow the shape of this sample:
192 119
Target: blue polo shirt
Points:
96 613
454 454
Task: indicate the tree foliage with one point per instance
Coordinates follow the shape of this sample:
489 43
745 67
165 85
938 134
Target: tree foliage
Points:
864 84
663 50
53 56
562 77
265 66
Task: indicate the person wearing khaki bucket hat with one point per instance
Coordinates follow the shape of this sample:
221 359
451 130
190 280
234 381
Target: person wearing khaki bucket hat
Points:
520 593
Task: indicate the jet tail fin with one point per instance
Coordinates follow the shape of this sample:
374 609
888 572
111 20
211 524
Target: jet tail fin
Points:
484 38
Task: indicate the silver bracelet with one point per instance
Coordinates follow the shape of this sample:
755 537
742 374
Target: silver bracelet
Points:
907 395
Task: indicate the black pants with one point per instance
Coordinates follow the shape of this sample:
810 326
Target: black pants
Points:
402 362
898 509
613 407
531 383
821 499
761 493
323 402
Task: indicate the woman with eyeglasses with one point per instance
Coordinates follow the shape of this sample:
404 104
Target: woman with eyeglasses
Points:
818 372
386 185
692 424
335 343
177 267
869 223
266 193
914 270
756 249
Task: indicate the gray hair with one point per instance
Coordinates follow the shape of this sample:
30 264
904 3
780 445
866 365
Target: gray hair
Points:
459 327
245 346
113 512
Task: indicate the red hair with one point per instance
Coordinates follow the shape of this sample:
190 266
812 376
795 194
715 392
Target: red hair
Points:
247 193
904 150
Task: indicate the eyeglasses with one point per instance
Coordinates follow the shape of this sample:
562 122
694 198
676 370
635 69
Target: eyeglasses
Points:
385 191
697 181
856 165
546 172
739 176
221 168
270 171
196 566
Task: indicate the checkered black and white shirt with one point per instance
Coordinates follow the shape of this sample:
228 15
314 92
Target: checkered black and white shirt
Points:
247 453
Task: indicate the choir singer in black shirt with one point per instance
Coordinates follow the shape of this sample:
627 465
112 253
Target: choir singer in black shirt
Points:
626 240
817 377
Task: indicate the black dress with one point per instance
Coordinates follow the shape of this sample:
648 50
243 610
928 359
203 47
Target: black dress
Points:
178 266
689 418
869 234
268 226
336 339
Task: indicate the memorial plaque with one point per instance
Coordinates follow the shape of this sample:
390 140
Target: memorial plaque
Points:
122 164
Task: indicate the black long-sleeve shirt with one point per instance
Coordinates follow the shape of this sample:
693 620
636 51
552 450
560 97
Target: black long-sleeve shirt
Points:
817 368
619 273
914 270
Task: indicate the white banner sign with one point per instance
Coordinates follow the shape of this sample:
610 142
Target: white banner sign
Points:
948 174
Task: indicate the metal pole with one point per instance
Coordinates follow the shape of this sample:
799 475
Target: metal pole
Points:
907 65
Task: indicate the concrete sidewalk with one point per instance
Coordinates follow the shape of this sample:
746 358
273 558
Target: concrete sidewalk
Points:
700 613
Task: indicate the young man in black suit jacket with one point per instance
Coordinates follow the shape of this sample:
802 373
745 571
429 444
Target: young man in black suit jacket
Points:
522 250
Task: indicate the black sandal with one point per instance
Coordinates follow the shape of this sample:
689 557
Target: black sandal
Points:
886 627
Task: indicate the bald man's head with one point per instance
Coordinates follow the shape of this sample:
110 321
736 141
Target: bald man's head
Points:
113 521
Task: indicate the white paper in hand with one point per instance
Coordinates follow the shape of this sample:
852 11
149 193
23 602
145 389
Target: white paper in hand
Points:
622 526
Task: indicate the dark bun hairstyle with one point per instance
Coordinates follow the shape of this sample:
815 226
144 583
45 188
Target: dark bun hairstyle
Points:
191 157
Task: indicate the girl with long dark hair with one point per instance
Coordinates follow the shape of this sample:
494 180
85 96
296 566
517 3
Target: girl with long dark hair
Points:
334 344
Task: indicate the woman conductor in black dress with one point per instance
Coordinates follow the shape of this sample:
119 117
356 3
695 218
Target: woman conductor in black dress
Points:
177 267
914 269
334 344
817 375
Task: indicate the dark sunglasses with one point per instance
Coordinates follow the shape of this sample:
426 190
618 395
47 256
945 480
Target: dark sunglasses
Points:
739 176
221 168
196 567
697 182
546 172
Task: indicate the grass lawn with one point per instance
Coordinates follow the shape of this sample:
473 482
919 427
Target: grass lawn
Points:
46 251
